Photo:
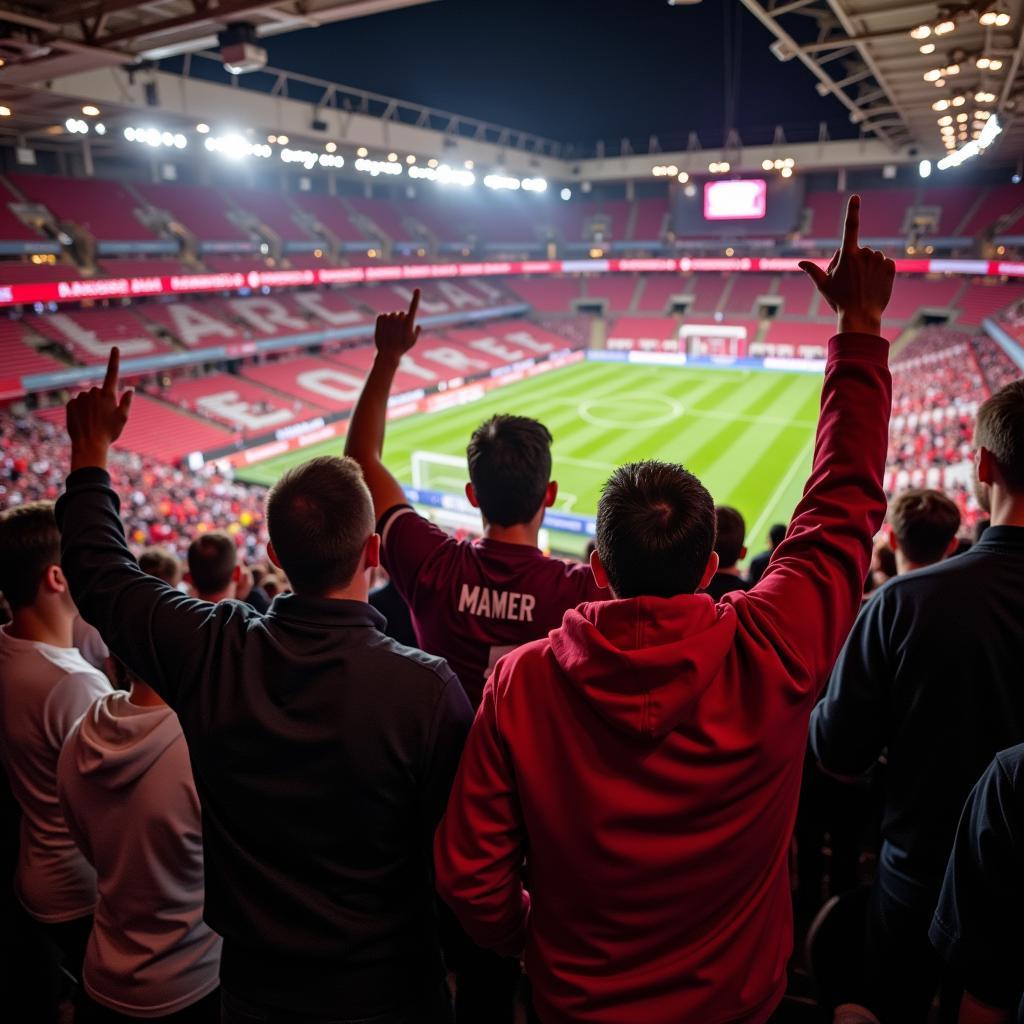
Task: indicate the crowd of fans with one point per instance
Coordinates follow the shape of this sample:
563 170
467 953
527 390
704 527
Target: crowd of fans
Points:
242 799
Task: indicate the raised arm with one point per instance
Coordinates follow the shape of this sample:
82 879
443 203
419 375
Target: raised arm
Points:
808 597
160 634
396 333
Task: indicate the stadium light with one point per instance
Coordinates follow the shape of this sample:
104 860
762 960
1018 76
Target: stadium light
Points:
392 157
432 162
500 182
362 151
410 159
924 168
921 32
76 126
973 148
566 194
331 147
5 111
945 27
682 177
91 110
153 137
376 167
927 48
234 146
100 128
443 175
203 128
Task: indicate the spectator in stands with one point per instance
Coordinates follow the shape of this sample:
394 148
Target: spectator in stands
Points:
323 752
922 529
159 562
759 563
470 601
126 790
729 535
976 927
647 754
45 687
931 673
384 596
213 569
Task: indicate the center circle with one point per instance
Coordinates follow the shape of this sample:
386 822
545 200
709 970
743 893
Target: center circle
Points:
634 400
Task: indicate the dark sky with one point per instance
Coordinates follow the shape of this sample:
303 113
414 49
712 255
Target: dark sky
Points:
573 70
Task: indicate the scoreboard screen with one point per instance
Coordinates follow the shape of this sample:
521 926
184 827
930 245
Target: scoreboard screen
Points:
735 200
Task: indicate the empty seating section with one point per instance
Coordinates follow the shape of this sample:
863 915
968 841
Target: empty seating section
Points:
649 222
238 403
11 227
996 208
199 324
436 220
324 383
745 291
642 332
826 213
586 219
433 361
17 358
22 272
129 267
916 293
658 290
270 316
503 219
984 300
306 261
159 431
89 334
221 264
548 294
273 210
382 214
508 341
707 292
616 289
329 211
799 296
884 212
953 202
202 211
786 338
106 209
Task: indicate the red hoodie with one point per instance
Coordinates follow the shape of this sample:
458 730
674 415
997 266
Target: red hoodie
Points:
645 760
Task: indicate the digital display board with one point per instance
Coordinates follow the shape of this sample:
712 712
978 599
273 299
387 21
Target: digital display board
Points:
735 200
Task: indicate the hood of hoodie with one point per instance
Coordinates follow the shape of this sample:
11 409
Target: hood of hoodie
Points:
644 662
118 741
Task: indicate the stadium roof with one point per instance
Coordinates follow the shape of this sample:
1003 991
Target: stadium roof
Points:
47 38
874 56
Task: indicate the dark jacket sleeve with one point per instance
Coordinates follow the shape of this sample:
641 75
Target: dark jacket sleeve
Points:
158 632
976 927
849 728
810 593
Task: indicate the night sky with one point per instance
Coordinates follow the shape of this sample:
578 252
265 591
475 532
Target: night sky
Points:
572 70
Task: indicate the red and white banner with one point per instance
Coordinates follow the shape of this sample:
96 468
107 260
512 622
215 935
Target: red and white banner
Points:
185 284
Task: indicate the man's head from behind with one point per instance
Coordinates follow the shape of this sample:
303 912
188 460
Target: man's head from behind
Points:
999 444
729 537
777 534
213 566
655 532
320 518
510 470
922 528
30 572
159 562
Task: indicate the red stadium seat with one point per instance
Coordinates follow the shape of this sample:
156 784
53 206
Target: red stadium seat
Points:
238 403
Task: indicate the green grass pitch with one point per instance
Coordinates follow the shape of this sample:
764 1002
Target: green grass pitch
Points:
747 435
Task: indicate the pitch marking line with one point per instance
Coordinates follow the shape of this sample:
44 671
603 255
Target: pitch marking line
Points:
645 399
756 530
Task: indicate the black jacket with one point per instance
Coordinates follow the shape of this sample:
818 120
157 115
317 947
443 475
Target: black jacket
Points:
323 753
933 672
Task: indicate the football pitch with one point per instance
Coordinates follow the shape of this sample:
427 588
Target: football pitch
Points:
747 435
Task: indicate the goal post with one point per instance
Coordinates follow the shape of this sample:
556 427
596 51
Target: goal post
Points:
432 471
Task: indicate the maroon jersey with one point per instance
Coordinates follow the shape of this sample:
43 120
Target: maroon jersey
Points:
472 602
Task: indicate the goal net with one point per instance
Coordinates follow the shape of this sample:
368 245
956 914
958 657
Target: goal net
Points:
432 471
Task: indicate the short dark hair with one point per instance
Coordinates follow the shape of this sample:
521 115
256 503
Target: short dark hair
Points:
510 467
777 534
29 545
159 562
731 531
212 558
1000 430
924 523
320 516
655 530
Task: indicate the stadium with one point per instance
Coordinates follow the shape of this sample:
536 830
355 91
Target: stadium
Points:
278 268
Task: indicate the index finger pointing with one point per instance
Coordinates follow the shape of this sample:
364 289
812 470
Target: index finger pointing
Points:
113 370
851 232
414 305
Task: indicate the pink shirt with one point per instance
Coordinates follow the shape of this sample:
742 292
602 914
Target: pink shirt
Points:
472 602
